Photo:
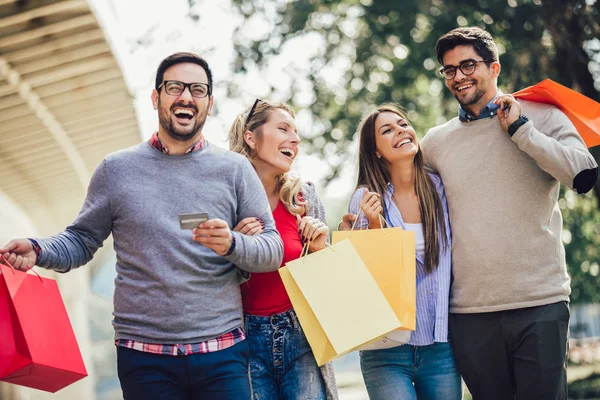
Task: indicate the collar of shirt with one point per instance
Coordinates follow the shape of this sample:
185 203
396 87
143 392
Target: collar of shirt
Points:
489 111
158 145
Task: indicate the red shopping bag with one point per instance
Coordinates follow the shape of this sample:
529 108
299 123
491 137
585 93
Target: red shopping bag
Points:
38 348
583 112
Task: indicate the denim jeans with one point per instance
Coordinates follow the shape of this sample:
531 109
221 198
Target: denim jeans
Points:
282 365
411 372
219 375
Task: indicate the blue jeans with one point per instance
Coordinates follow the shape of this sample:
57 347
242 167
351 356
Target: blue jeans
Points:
411 372
219 375
282 365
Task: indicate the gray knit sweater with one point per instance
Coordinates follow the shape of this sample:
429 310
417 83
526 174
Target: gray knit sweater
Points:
170 289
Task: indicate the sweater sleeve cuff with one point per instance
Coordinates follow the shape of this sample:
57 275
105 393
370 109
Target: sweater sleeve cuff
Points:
45 256
36 248
520 129
585 180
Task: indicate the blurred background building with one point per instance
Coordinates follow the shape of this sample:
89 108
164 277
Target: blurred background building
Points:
64 104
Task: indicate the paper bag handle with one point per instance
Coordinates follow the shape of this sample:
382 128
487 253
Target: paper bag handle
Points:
382 220
304 251
13 268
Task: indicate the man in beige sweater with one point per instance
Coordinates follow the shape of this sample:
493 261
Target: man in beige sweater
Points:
502 162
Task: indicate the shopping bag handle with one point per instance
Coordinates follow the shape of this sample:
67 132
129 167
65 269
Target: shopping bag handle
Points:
13 268
382 220
304 251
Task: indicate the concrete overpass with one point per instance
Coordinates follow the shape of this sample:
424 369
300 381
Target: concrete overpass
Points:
64 104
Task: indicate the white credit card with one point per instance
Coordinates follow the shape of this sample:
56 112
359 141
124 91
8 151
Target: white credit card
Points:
191 221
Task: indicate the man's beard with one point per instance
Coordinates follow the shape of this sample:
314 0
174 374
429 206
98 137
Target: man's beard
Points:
470 101
168 126
475 97
166 122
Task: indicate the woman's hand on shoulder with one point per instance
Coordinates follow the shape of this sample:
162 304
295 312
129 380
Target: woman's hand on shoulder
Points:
313 230
250 226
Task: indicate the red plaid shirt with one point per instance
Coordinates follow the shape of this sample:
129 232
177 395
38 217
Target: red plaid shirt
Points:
157 144
183 349
221 343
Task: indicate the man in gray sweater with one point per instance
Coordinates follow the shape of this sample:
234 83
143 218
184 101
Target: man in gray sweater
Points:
502 162
177 304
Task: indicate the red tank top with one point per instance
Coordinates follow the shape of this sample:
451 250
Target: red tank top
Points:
264 293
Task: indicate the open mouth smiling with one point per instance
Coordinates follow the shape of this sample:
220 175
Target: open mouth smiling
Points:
287 152
403 142
463 86
184 113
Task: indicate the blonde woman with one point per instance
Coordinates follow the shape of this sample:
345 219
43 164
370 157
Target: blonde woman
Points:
393 182
282 365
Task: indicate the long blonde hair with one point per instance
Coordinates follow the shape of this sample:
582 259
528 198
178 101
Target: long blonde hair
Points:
253 119
374 174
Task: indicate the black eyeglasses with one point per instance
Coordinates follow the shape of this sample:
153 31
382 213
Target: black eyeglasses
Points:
466 67
251 112
175 88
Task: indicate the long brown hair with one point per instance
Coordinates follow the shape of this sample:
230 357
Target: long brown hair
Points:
289 186
374 174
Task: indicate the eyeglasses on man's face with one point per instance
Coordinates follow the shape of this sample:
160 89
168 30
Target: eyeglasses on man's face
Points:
175 88
466 67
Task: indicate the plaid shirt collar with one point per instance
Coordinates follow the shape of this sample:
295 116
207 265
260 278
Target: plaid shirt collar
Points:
158 145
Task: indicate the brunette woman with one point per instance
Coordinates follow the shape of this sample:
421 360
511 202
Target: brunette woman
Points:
393 183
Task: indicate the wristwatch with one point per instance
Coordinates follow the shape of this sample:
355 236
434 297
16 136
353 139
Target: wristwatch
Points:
519 122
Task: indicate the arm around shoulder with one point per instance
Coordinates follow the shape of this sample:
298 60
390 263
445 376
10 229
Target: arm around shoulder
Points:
426 147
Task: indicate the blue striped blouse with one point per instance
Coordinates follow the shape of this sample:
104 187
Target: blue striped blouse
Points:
433 289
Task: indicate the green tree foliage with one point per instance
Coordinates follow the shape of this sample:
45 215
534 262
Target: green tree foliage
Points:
581 235
383 50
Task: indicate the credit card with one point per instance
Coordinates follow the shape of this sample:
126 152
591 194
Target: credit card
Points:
191 221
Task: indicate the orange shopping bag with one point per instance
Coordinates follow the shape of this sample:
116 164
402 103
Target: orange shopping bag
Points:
583 112
38 348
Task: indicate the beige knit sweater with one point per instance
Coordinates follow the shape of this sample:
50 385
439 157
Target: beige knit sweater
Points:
502 195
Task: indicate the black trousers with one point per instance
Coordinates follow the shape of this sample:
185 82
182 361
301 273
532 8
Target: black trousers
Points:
515 354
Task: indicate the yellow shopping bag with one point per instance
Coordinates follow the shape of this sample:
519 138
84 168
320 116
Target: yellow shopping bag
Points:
389 255
338 303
